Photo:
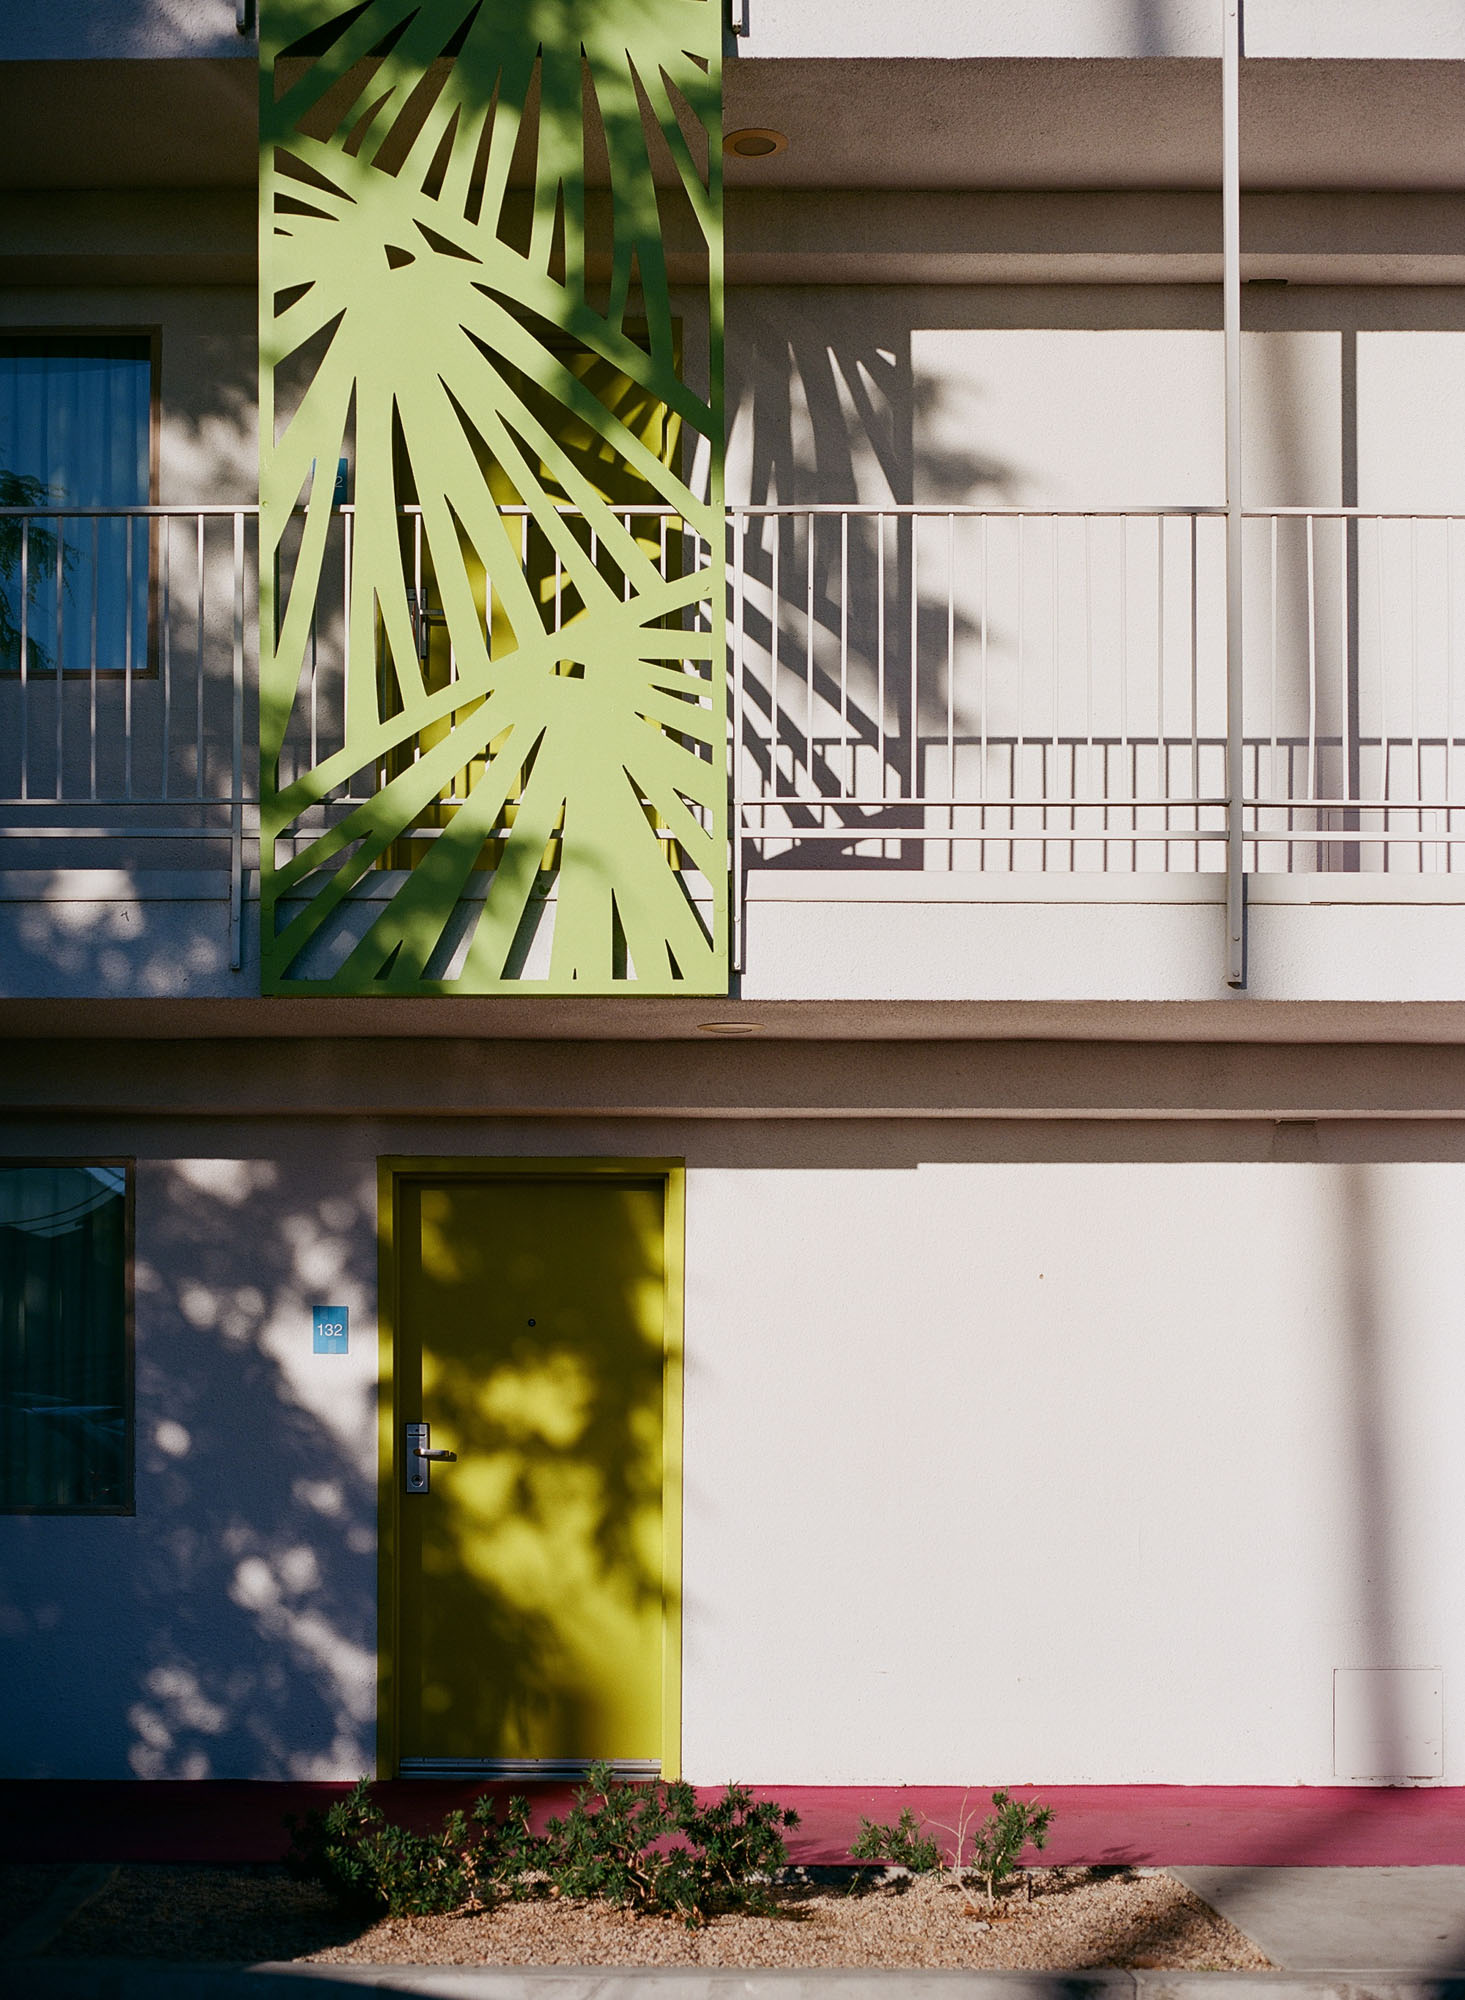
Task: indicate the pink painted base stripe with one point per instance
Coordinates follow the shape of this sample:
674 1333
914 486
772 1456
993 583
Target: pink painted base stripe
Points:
1154 1825
1253 1826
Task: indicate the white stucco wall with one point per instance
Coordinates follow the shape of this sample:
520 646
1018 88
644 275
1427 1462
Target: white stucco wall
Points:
1090 937
1065 1472
1013 1452
1420 28
118 29
227 1628
1092 396
813 935
1104 28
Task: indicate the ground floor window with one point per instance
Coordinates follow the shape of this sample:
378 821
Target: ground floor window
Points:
65 1338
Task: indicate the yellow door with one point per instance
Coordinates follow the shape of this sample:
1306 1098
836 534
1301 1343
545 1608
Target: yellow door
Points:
533 1606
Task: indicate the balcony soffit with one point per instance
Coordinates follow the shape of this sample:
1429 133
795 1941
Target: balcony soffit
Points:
1043 123
856 122
129 124
658 1021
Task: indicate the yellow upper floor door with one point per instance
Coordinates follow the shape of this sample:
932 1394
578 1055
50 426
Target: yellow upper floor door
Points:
535 1585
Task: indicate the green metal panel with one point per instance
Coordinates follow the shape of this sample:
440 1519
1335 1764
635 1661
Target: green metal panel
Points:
465 292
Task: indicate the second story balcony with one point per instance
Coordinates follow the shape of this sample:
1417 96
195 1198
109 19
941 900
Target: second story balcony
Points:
800 399
970 752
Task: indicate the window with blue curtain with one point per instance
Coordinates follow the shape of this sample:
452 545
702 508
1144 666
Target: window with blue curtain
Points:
75 431
65 1347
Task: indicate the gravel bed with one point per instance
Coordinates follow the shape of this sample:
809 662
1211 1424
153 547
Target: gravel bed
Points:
1077 1917
24 1887
196 1914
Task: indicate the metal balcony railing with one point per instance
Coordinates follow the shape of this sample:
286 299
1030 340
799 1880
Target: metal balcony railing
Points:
126 700
985 690
1002 690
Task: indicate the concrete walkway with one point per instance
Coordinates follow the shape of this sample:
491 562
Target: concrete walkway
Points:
1333 1933
1308 1919
115 1980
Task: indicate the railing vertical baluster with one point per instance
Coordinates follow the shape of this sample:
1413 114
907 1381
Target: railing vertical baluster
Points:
1414 686
1125 747
775 621
1312 791
60 652
1195 790
198 749
982 774
453 673
810 519
1277 785
1449 692
915 664
1162 750
348 529
1345 653
559 588
24 661
313 708
847 748
236 773
127 662
880 715
951 682
1099 787
92 663
1056 660
1019 739
165 544
424 629
1385 759
735 775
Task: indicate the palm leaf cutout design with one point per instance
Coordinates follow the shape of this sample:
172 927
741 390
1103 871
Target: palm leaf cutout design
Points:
465 292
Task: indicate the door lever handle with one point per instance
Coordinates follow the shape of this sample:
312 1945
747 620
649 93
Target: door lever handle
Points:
419 1457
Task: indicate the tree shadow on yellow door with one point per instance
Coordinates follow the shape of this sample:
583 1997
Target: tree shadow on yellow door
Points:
533 1327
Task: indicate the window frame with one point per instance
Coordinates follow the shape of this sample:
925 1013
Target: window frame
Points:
127 1506
153 334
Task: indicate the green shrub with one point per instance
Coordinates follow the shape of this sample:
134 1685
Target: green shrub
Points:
996 1845
650 1848
653 1848
903 1845
368 1862
607 1846
741 1843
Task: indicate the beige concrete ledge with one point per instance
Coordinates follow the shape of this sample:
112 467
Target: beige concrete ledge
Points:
746 1079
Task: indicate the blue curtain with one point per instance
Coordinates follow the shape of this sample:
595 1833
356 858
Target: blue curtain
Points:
75 431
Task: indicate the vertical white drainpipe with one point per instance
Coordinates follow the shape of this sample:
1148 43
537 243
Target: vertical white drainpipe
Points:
1231 290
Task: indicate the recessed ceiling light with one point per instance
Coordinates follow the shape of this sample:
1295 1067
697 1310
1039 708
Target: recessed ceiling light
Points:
728 1027
755 142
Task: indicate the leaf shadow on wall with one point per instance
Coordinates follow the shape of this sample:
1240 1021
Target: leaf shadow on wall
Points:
836 610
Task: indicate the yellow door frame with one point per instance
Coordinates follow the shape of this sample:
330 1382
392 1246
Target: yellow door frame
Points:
391 1171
